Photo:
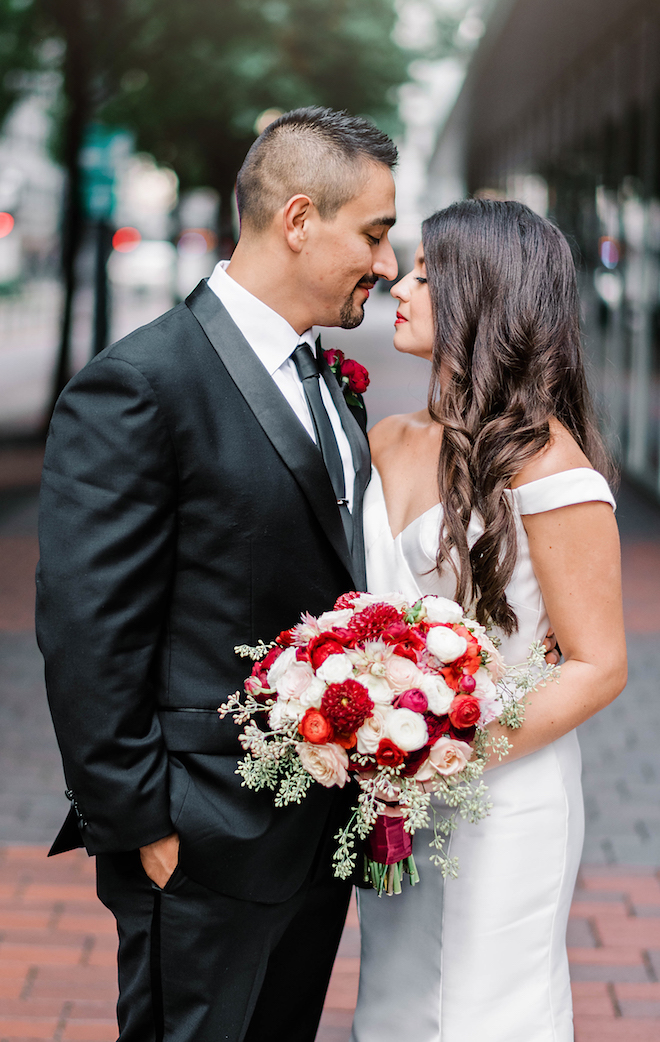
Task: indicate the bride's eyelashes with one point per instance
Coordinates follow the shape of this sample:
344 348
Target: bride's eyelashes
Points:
420 279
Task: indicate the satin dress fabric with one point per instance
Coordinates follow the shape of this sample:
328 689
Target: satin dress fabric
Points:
482 956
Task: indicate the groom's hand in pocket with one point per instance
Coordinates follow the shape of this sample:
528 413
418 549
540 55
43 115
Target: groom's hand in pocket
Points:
159 859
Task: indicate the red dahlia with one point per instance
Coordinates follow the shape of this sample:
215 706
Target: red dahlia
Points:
346 706
370 623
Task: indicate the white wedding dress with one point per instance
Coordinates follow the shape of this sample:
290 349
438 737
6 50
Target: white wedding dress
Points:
481 957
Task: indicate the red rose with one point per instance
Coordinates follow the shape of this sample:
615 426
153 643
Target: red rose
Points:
319 648
343 636
397 632
388 754
315 728
333 356
302 655
414 761
286 638
260 669
436 726
356 374
464 711
404 652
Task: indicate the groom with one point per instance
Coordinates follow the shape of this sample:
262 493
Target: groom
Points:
202 487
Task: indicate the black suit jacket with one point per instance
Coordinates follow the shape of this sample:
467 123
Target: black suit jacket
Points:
184 510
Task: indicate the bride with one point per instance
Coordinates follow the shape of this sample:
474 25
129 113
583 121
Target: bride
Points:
495 496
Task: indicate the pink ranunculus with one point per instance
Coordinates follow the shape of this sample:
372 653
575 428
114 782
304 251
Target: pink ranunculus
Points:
413 699
327 764
448 756
253 686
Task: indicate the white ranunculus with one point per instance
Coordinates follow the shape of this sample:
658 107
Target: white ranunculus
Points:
445 644
371 732
295 680
335 670
280 666
379 690
312 696
339 618
441 609
438 692
408 730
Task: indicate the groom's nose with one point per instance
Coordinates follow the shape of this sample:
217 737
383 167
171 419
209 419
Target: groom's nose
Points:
385 264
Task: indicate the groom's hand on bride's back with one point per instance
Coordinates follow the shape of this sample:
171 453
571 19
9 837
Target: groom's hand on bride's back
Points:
552 649
159 859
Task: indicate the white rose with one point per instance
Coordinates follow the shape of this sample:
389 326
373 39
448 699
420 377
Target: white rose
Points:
438 692
445 644
295 680
327 764
397 600
441 609
311 698
335 670
284 713
402 673
371 732
339 618
379 690
448 756
364 600
408 730
496 664
280 666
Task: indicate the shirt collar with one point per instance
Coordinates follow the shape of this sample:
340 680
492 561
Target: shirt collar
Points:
269 334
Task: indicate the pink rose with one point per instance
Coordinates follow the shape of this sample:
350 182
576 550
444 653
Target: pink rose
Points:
295 681
327 764
448 756
401 673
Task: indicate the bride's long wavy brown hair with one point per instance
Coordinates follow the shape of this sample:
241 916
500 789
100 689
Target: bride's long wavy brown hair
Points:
507 357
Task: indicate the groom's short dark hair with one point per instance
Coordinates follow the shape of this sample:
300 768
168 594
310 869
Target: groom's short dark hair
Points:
311 151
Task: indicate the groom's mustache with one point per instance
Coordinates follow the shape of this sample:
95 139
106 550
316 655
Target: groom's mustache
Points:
368 282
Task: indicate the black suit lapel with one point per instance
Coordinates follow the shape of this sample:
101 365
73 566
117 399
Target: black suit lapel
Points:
274 414
361 460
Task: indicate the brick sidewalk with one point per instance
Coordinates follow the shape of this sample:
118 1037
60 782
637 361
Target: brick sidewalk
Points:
58 944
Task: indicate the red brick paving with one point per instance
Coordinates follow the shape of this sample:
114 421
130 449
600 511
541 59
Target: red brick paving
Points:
58 964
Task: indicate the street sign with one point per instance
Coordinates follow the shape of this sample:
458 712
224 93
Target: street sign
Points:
103 148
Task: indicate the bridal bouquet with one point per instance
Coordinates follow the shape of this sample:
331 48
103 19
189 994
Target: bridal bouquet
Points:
395 695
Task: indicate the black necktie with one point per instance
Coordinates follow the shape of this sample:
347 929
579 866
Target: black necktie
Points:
308 371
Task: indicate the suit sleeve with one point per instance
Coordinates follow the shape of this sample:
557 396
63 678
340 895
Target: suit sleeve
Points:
107 542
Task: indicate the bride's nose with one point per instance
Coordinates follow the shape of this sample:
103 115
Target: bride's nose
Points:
400 291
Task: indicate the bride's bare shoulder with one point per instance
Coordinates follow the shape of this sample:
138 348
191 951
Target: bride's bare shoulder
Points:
561 453
391 433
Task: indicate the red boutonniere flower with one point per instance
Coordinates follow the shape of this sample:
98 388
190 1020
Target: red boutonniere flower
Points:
352 377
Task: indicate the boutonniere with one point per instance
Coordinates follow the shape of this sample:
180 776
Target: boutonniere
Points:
352 377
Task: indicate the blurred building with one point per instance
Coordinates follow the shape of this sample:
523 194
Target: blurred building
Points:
561 109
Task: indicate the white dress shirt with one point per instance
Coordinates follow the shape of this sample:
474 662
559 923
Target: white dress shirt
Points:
273 341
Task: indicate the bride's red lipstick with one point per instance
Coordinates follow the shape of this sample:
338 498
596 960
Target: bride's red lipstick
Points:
399 318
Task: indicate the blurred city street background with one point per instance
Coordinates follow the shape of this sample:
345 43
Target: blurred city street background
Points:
112 207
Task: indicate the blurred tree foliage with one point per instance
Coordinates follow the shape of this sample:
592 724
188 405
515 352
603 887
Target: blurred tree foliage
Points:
190 77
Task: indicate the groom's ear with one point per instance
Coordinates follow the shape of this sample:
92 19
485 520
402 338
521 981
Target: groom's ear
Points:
295 221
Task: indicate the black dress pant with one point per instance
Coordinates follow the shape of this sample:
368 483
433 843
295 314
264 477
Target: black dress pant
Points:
197 966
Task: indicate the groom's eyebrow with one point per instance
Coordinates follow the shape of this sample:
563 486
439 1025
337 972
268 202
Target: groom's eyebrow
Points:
379 222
